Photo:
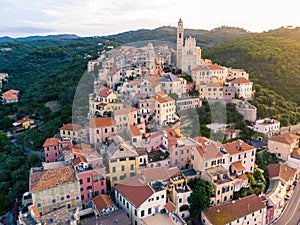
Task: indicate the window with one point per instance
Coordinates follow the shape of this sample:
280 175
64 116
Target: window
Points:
131 167
62 198
114 169
157 198
180 200
95 178
53 200
80 181
149 211
69 206
39 205
163 196
142 213
88 179
68 196
123 168
135 212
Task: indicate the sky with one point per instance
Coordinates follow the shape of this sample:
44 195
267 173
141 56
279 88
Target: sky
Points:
21 18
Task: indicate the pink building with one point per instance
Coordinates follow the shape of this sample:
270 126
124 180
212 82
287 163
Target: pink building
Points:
51 150
125 117
101 129
91 174
152 141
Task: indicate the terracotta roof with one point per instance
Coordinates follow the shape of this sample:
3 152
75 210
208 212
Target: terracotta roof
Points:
102 201
105 92
238 165
229 212
163 99
237 147
71 127
10 95
113 71
296 152
51 142
159 173
282 171
243 176
240 80
170 207
135 82
46 179
78 160
134 130
25 119
287 138
35 211
214 67
137 195
101 122
124 111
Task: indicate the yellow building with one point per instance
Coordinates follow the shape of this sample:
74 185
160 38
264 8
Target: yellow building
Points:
73 131
54 188
124 163
164 108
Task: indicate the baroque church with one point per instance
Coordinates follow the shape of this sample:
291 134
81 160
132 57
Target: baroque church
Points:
188 54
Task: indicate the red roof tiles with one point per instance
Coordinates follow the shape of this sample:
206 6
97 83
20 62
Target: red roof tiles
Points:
137 195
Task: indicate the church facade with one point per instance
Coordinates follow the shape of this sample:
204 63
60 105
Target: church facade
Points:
188 54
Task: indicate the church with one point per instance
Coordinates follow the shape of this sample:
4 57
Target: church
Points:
188 54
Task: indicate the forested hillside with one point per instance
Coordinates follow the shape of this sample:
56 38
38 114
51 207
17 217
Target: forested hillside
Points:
271 58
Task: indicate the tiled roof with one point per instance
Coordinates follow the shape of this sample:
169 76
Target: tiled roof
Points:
134 130
101 122
159 173
296 152
51 178
214 67
229 212
238 165
71 127
240 80
170 78
51 142
237 147
282 171
170 207
105 92
137 195
287 138
102 201
124 111
25 119
124 150
78 160
10 95
35 211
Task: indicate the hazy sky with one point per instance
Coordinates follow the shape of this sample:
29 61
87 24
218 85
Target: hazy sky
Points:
103 17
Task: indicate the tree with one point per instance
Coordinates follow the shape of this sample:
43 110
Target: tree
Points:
200 197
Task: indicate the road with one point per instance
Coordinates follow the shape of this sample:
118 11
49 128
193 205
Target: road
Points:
291 215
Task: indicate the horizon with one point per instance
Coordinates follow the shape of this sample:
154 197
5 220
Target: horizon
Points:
89 18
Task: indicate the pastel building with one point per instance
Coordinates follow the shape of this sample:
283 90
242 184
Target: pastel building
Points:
74 132
54 188
248 210
125 117
164 108
10 96
173 84
283 145
54 147
91 175
101 129
188 103
243 87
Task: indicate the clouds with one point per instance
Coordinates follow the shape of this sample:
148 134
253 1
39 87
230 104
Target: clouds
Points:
102 17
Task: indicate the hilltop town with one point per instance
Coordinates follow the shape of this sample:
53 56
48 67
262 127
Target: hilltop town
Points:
135 160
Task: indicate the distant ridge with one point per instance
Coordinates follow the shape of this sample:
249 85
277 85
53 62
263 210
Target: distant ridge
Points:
39 37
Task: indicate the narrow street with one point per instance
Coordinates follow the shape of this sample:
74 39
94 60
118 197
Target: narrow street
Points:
291 214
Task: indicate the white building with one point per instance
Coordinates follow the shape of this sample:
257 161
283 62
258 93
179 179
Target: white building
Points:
243 87
268 127
188 54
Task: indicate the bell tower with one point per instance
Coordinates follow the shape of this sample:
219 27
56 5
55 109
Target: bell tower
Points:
180 32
